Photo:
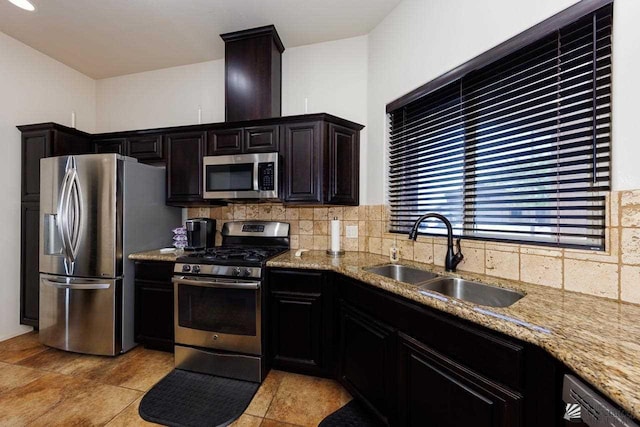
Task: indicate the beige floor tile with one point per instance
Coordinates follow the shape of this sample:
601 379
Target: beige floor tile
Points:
273 423
306 400
130 417
24 404
91 405
265 394
247 421
13 376
20 347
51 360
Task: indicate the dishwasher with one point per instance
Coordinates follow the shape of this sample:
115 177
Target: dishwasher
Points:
585 407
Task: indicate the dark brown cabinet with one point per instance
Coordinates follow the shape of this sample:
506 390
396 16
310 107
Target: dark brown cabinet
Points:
146 148
154 305
301 324
367 360
184 167
113 145
261 139
253 139
224 141
302 162
321 163
30 281
39 141
435 390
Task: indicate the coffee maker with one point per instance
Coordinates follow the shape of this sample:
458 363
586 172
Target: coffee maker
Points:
200 233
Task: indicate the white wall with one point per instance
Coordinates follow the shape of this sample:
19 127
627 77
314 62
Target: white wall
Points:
420 40
159 98
33 88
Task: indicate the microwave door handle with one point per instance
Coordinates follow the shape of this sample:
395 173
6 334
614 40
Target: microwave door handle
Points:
256 186
211 284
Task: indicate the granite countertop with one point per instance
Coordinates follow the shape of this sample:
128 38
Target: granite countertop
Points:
155 256
596 337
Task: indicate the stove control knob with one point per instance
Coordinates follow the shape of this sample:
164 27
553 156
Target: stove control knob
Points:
186 268
195 269
246 272
236 271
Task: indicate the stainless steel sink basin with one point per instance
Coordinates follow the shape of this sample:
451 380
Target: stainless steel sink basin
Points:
402 273
477 293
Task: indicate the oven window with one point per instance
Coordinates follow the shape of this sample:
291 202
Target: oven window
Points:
226 311
235 177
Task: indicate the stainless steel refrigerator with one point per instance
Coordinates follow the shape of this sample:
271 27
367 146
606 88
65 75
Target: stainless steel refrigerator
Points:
95 210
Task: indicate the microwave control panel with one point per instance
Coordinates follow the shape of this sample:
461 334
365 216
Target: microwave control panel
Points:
266 176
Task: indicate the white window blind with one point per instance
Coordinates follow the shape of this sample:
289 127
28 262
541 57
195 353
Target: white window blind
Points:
517 150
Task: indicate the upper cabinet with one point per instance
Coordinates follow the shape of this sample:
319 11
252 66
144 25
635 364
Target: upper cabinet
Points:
321 162
147 148
184 167
251 139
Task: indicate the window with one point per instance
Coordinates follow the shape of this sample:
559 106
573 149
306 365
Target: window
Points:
514 145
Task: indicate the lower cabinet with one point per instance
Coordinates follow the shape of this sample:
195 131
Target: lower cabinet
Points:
367 360
435 390
154 305
29 264
300 326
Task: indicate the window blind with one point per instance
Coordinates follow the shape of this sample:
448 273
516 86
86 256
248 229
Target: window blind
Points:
517 150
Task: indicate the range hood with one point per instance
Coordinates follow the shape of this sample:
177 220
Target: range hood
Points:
253 74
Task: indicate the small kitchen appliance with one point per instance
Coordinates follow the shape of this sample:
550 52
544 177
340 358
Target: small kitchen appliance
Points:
200 233
219 300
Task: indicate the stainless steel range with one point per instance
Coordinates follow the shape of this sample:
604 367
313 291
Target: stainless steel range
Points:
219 301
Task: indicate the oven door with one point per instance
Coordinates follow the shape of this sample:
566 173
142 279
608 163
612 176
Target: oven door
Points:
215 313
244 176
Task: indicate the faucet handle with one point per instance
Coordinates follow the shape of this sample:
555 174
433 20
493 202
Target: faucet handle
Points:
458 248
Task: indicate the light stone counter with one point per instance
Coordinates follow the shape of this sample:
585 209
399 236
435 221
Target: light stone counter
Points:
598 338
154 256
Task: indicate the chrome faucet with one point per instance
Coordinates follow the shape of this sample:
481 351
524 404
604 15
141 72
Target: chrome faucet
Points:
452 259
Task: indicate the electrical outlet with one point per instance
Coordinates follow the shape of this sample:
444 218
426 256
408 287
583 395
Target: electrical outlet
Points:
351 231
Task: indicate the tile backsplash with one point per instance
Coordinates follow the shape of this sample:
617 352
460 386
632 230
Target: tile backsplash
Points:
613 273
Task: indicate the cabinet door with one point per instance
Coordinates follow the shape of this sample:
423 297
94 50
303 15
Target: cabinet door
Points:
115 145
224 141
35 146
146 148
296 331
29 268
184 167
153 323
367 360
261 139
344 166
435 391
65 144
302 158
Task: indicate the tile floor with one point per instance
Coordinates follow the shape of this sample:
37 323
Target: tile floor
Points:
40 386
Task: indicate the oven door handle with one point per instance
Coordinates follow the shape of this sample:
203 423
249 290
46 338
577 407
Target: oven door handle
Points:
211 284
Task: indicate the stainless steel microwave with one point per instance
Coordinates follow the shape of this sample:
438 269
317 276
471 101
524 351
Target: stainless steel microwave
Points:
241 176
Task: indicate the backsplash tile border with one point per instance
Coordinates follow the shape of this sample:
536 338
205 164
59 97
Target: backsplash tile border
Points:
571 269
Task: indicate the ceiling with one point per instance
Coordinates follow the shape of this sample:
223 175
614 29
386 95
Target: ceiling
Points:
106 38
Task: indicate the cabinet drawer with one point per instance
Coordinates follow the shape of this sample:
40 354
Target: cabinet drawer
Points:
298 281
154 271
224 141
261 139
148 147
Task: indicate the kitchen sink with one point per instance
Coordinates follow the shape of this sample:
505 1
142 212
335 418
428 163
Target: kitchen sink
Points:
477 293
403 273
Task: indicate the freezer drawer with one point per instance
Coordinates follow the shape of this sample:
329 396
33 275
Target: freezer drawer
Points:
80 315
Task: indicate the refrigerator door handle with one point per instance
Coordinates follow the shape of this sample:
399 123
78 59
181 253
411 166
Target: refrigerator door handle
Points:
74 207
62 214
79 285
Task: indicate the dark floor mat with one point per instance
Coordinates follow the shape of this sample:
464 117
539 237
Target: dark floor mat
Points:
353 414
189 399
